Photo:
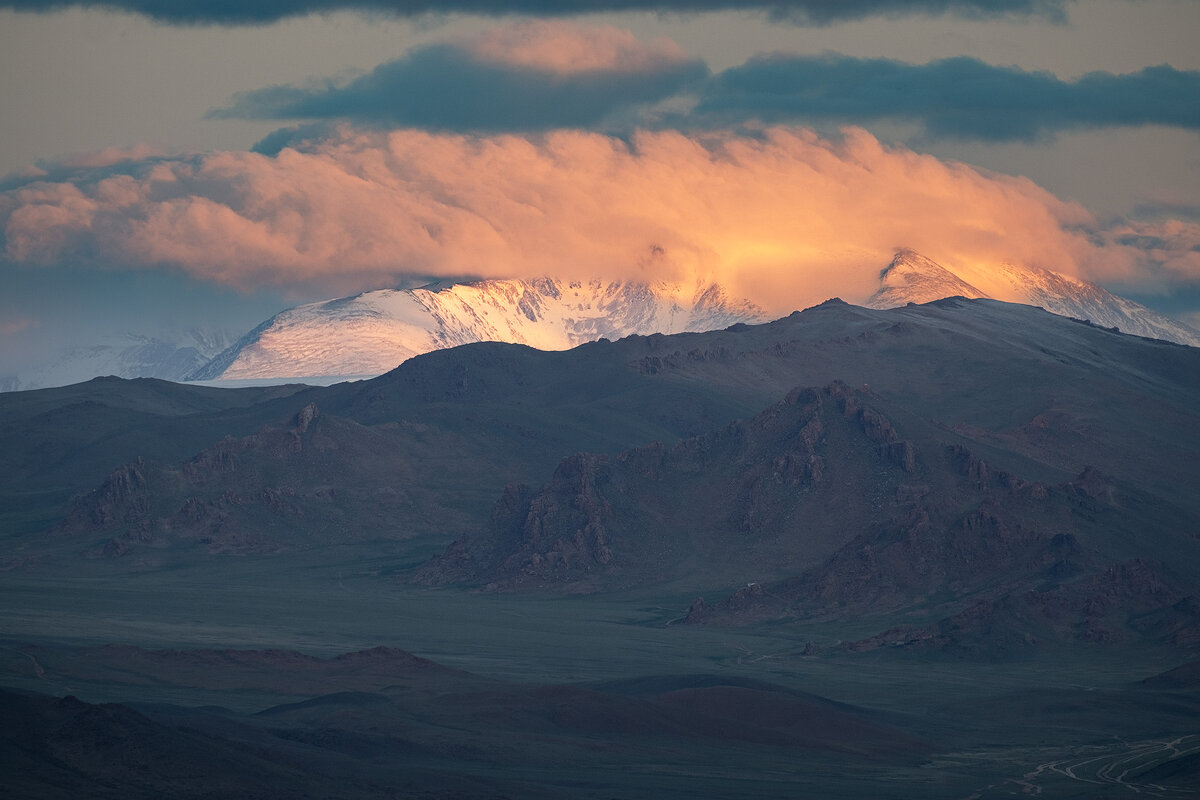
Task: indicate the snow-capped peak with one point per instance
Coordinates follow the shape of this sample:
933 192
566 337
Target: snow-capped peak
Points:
913 278
371 333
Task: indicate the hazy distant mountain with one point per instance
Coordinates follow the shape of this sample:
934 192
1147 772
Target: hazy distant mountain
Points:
370 333
913 278
125 355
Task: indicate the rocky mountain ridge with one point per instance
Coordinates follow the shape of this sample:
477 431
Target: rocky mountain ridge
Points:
844 460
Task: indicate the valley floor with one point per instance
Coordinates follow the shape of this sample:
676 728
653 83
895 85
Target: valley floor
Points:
575 696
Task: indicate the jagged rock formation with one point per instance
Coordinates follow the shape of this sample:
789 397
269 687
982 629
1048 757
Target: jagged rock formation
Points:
222 499
1022 565
756 494
924 524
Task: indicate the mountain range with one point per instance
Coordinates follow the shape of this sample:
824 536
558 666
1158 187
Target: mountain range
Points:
370 333
939 550
367 334
690 460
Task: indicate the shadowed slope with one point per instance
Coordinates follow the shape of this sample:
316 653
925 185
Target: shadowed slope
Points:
424 450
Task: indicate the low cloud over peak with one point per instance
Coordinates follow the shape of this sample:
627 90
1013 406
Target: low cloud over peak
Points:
783 217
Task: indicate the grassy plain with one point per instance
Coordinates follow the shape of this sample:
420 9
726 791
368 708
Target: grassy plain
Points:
1056 720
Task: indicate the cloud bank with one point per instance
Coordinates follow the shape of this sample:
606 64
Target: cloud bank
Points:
530 76
813 12
1162 251
959 98
535 76
784 217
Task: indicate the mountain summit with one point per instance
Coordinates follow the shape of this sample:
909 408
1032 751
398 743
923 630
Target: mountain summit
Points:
913 278
370 333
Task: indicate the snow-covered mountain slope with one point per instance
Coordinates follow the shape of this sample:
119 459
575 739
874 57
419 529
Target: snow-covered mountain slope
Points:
912 278
373 332
125 355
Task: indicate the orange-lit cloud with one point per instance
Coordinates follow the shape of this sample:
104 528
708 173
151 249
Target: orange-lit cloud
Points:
13 326
567 48
785 218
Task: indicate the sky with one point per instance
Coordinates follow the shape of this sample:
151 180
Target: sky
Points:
169 164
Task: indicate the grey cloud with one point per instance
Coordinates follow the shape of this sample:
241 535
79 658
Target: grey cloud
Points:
294 136
443 87
1145 242
960 98
1160 210
813 12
